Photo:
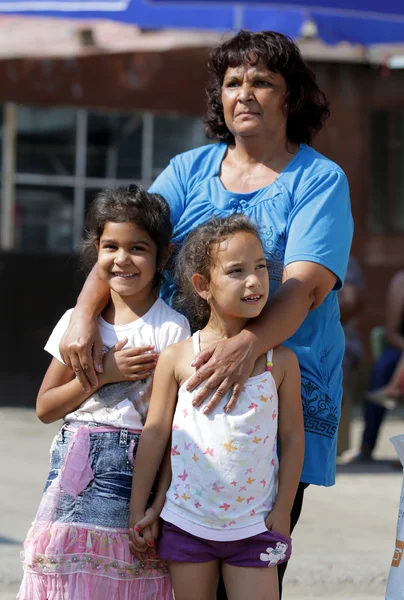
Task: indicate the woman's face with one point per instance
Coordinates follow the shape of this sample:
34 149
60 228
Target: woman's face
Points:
253 100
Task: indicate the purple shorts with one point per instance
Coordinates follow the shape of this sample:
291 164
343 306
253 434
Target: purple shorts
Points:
266 549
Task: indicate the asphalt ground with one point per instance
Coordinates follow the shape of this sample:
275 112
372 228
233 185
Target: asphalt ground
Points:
342 546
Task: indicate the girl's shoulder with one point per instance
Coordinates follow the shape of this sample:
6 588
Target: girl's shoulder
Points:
284 362
177 358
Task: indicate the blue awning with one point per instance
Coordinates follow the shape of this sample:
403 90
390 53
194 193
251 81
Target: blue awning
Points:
370 22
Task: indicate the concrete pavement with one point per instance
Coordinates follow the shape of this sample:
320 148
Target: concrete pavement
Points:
343 544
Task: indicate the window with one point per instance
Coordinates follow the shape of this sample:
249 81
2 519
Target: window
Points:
64 156
387 180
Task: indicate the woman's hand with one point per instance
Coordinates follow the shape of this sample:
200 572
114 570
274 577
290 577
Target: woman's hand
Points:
279 521
81 349
222 367
143 532
130 364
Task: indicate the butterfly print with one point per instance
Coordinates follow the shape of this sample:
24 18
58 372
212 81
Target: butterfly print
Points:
243 488
209 451
183 476
174 450
187 446
225 506
234 483
266 438
230 447
274 415
185 413
253 406
185 497
250 480
256 440
249 499
263 481
264 398
216 488
240 499
197 504
195 458
248 471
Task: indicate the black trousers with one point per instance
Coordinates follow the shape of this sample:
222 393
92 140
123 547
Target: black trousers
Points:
294 517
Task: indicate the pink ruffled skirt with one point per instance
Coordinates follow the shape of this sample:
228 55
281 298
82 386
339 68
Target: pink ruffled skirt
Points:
67 559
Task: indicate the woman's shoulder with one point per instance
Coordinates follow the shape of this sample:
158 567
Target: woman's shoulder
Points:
200 161
315 162
310 170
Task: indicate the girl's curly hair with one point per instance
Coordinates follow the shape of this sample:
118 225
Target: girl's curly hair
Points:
196 256
308 108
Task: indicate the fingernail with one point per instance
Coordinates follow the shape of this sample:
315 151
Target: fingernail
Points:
136 528
151 544
206 410
86 390
194 403
192 363
99 368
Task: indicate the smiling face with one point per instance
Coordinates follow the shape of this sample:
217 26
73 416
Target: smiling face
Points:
239 284
127 259
253 99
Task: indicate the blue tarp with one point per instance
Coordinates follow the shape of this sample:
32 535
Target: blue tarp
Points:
356 21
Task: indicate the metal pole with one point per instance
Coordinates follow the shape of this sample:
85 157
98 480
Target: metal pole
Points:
7 233
80 173
147 148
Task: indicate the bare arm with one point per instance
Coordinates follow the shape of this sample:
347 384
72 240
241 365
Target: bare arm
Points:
61 393
291 438
81 345
395 311
155 436
230 363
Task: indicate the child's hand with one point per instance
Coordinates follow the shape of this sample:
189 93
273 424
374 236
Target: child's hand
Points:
131 364
279 521
143 533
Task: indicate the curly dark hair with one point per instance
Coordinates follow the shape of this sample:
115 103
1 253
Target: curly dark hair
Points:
195 256
307 105
131 204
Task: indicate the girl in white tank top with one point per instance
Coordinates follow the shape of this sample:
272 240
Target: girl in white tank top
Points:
228 497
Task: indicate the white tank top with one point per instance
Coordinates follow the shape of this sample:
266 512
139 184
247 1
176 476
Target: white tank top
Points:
225 466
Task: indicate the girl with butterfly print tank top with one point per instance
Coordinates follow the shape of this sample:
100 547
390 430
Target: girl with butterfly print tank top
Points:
228 504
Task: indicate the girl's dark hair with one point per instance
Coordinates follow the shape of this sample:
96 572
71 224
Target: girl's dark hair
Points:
131 204
195 256
307 105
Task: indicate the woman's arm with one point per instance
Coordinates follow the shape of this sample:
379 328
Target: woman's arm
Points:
291 439
81 345
304 287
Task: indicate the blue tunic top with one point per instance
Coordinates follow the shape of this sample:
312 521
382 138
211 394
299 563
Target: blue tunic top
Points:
303 216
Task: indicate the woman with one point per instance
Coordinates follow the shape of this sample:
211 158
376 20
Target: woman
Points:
264 107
